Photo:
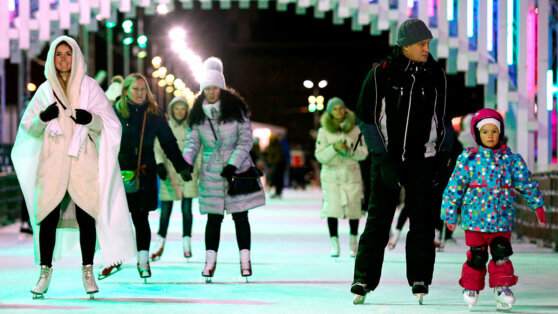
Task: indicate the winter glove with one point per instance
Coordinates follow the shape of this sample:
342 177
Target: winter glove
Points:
83 117
443 171
162 171
228 172
388 171
541 216
451 227
186 174
51 112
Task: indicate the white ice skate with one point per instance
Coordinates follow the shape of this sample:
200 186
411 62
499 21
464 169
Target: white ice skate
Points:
353 244
89 280
334 247
43 283
210 265
186 247
159 248
245 264
504 297
393 239
143 265
471 297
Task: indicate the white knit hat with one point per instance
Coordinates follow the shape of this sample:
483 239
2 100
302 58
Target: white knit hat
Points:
213 75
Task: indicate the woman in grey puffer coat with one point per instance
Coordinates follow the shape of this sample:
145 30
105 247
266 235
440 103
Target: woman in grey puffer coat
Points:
219 124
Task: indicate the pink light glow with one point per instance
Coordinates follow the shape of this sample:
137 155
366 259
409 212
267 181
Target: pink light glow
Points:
532 31
432 5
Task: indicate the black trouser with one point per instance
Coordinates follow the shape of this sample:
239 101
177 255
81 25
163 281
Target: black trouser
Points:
166 209
143 231
278 177
87 236
213 230
416 178
332 224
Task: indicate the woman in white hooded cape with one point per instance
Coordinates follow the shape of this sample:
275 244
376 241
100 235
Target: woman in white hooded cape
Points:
65 157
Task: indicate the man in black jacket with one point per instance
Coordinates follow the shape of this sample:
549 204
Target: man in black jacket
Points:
404 118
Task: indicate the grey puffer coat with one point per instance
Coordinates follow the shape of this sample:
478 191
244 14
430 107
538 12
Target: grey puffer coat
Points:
233 144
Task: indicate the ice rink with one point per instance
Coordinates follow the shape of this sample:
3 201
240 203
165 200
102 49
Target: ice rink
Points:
292 272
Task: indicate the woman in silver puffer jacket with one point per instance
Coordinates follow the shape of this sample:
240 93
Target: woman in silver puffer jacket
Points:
219 124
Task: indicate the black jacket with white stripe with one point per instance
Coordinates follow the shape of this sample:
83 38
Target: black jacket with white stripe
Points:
408 100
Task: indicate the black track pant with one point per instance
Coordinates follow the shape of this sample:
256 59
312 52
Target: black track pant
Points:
423 210
87 236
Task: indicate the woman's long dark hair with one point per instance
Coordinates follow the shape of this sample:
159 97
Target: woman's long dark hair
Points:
233 107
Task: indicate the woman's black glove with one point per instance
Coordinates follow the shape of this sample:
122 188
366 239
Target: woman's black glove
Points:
186 174
228 172
388 171
83 117
50 112
162 171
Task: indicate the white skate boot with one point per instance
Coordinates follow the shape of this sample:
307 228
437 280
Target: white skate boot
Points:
471 297
245 265
159 248
210 265
186 247
44 281
89 280
353 244
393 239
143 265
334 247
504 297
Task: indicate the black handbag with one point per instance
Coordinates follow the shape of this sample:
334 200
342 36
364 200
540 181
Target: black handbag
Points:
245 182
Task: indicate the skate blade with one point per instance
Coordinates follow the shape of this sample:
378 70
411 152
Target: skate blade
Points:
420 297
37 296
207 279
112 272
155 258
359 299
503 307
92 295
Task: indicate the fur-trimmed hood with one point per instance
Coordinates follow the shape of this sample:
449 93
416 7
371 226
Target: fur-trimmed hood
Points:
170 107
333 126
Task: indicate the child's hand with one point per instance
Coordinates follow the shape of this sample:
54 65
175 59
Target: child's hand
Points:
541 216
451 227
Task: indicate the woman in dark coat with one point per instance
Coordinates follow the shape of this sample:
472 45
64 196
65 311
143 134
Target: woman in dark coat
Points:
135 101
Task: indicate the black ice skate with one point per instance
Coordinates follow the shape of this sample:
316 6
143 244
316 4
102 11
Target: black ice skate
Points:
360 290
419 290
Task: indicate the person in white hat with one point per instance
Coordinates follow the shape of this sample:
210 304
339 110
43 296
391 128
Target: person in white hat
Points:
220 130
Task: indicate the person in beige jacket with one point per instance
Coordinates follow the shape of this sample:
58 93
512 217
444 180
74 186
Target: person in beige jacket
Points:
65 156
339 148
172 187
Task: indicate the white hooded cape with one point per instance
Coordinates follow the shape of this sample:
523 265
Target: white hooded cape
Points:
114 229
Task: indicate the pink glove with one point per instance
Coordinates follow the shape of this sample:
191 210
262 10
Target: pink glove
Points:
541 216
451 227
